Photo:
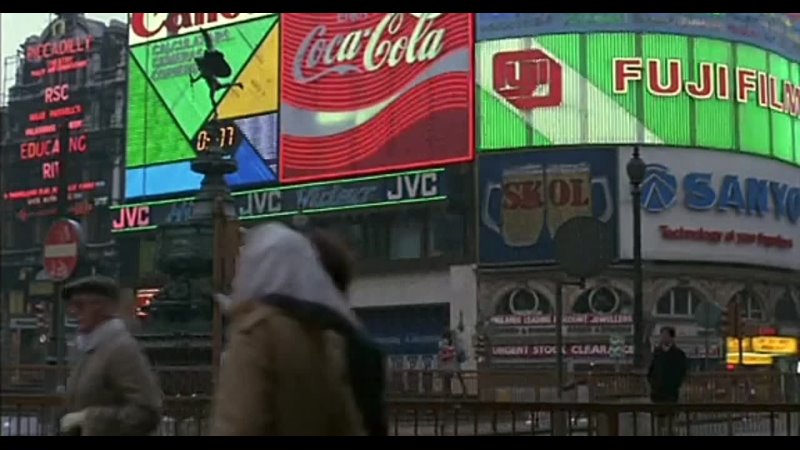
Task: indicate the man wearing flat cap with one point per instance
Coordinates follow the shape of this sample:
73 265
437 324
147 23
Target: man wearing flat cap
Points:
112 389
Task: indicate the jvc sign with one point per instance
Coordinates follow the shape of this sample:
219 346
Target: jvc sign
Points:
706 206
356 193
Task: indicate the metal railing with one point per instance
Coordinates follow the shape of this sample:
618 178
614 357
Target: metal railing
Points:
486 385
37 414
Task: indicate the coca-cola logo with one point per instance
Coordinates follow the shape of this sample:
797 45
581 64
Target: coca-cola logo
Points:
151 25
386 45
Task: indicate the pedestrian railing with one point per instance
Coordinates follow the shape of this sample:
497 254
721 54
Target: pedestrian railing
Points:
487 385
38 414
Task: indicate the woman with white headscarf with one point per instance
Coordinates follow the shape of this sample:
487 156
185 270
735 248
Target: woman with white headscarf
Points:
295 348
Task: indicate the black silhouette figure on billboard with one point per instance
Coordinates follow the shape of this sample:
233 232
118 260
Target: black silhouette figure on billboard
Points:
212 67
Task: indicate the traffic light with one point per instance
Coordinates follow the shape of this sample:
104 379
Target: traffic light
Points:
731 321
480 345
42 321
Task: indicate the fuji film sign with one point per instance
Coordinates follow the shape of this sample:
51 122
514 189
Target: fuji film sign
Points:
146 27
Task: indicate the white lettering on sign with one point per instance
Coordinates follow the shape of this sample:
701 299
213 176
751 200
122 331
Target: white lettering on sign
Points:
413 186
370 49
146 27
264 202
333 196
667 79
180 212
550 350
132 217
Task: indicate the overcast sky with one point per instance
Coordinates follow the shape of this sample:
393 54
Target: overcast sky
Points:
15 27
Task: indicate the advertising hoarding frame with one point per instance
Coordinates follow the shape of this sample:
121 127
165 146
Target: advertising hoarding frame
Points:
250 44
770 31
301 115
690 199
564 98
491 167
392 189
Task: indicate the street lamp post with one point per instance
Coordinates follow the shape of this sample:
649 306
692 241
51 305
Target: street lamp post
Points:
636 171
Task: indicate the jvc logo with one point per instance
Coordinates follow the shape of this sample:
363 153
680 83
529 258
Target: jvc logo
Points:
258 203
132 217
528 79
420 185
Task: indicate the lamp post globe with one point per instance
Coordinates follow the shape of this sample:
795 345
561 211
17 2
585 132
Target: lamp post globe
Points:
636 169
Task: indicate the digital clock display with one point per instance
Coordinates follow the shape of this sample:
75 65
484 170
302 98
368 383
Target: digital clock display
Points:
224 136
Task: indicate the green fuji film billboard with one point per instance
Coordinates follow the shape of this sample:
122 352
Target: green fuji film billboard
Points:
625 88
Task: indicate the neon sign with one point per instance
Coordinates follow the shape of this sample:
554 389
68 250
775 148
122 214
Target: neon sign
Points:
357 193
60 104
365 93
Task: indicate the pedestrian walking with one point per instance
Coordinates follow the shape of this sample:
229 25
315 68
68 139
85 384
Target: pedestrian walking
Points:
367 363
111 390
666 374
451 358
293 345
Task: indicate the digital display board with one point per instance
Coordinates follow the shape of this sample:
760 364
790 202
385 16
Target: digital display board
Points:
170 101
36 142
778 32
365 192
624 88
364 93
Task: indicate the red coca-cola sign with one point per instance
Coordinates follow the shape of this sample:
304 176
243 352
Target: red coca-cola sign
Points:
372 92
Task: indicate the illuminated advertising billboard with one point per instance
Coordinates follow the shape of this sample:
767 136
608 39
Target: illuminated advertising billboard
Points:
699 205
170 99
364 93
778 32
526 196
35 141
270 203
653 89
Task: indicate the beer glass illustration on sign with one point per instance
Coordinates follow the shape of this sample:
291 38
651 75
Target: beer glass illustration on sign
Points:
534 196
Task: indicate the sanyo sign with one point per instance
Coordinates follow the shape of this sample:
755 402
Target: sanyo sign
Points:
317 197
703 205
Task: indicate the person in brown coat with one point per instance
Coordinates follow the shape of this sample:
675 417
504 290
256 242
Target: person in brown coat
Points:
286 370
111 390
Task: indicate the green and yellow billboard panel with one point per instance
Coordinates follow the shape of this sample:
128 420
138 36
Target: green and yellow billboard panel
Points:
626 88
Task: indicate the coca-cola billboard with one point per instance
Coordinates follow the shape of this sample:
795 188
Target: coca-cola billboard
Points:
373 92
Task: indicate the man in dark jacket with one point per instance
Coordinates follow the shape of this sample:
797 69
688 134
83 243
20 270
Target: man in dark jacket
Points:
667 369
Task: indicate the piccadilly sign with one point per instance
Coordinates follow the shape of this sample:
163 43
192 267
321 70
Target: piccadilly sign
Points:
707 206
396 189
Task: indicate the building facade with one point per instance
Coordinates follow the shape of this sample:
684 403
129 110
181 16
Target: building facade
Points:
562 101
71 75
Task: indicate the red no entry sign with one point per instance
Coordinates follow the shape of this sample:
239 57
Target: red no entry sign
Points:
61 246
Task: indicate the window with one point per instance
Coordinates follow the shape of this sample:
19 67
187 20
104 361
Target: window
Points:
405 237
446 234
749 305
603 300
523 301
679 301
786 309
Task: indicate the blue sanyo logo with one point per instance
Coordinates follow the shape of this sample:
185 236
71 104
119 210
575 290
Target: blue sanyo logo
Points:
704 191
659 189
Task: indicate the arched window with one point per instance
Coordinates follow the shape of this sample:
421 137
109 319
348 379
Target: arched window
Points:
749 305
523 301
603 300
679 301
786 309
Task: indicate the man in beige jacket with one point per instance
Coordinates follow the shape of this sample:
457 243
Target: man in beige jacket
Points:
112 390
